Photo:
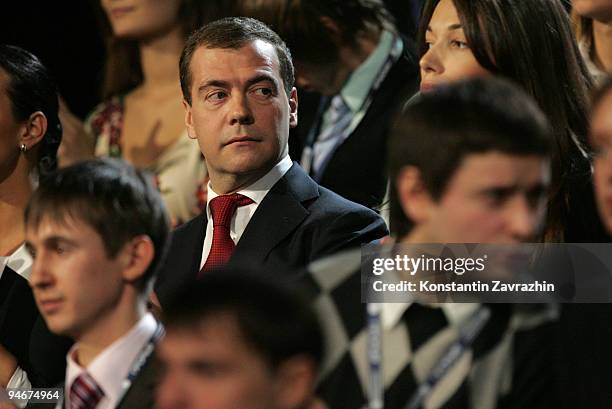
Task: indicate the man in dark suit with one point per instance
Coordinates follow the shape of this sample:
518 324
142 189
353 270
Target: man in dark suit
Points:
351 53
237 80
97 232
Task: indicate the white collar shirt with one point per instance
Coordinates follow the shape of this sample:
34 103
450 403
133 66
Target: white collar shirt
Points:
111 367
256 192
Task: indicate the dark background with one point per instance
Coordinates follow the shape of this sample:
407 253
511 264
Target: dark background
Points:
64 35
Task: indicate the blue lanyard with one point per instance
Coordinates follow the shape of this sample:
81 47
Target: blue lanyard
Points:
376 387
467 335
141 360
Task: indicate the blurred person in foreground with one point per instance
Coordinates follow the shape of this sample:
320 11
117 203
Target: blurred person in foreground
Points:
237 341
479 176
459 39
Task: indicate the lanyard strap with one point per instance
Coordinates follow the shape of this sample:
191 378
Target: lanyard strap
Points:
376 387
467 335
142 358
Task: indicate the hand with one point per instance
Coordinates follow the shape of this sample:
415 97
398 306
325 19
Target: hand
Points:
76 144
143 156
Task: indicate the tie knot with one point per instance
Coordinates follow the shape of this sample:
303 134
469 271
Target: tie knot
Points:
222 208
85 392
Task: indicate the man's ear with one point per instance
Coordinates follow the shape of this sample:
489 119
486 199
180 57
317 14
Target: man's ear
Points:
136 257
413 196
295 381
189 120
34 130
293 108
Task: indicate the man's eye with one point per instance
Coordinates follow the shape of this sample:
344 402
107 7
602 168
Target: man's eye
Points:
263 92
216 96
496 198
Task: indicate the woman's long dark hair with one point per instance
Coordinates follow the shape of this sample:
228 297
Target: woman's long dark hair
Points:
30 88
531 43
122 70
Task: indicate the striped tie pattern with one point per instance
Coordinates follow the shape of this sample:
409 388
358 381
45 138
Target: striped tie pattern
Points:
222 209
85 392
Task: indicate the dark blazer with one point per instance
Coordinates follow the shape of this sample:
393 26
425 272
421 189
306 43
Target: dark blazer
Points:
357 169
297 222
24 333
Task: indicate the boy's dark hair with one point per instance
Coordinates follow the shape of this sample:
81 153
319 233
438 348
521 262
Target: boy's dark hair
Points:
436 131
118 201
30 88
234 33
273 320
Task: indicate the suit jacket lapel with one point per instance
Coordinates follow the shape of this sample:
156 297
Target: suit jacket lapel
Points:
280 213
189 246
141 393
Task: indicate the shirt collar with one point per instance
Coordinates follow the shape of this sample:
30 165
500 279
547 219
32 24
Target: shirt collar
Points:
356 89
20 262
260 188
111 367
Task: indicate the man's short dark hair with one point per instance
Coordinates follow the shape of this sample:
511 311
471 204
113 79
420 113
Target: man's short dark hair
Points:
272 319
234 33
438 129
118 201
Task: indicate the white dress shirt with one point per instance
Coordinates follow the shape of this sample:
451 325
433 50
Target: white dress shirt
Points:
112 366
21 263
256 192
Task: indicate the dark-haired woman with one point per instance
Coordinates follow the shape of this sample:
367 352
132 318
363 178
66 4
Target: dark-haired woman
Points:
530 43
30 134
142 119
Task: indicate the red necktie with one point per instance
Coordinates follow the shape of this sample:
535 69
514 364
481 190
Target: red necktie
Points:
85 392
222 209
